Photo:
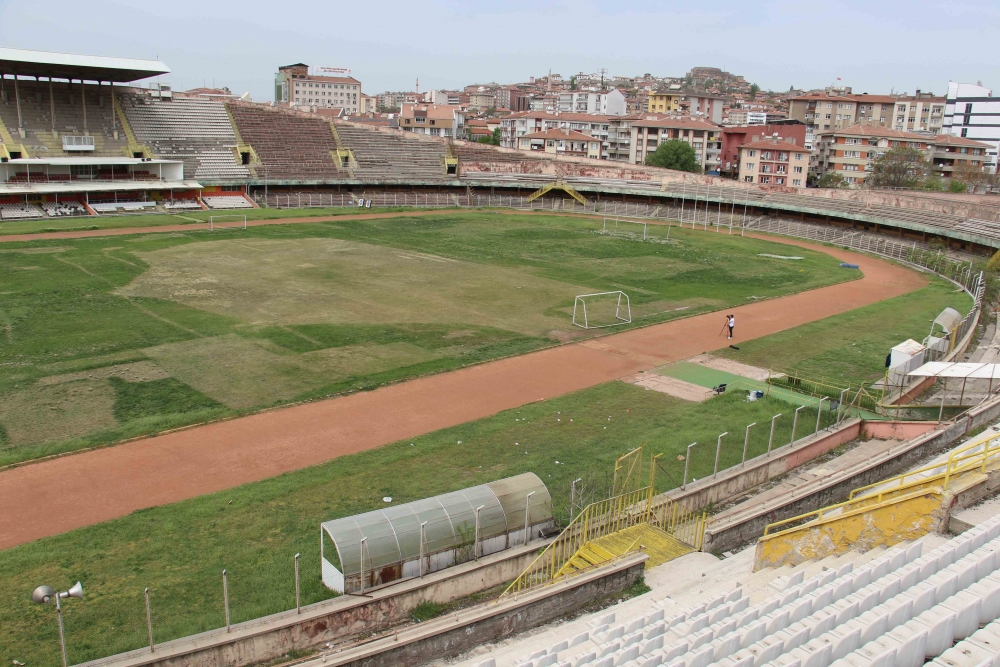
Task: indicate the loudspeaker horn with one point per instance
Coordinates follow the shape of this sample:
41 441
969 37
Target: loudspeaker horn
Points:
76 591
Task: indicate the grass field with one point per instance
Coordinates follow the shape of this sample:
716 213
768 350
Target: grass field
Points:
109 338
253 531
850 348
161 219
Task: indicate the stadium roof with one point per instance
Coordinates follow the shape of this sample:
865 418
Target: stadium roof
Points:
69 66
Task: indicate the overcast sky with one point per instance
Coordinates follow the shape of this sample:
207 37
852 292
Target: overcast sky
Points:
872 45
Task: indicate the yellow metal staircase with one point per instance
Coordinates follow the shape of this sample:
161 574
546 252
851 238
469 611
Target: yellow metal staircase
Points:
897 509
557 185
134 147
9 144
654 542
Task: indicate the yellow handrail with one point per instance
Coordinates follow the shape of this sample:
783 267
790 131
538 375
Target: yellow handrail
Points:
959 461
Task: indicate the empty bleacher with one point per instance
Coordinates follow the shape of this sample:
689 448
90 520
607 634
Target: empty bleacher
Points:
63 208
195 131
180 205
123 206
900 609
293 146
392 156
36 115
20 211
226 201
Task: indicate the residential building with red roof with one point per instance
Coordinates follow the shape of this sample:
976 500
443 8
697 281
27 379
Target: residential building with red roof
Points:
851 151
436 120
613 131
649 131
951 152
735 136
295 86
561 142
774 161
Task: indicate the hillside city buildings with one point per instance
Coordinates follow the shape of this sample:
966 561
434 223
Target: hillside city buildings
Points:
722 116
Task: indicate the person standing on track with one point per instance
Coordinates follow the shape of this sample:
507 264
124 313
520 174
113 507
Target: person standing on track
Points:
730 322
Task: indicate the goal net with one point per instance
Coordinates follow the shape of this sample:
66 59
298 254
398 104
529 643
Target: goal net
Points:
603 309
231 221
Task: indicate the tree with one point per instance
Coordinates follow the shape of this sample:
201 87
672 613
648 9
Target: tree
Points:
492 139
901 167
674 154
831 180
572 83
957 186
932 183
754 89
970 177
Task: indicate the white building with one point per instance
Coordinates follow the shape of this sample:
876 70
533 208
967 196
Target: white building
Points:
612 103
295 86
972 112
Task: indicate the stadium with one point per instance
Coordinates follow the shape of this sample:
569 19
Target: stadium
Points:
492 383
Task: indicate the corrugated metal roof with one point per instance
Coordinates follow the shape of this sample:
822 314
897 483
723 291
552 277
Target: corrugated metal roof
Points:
73 66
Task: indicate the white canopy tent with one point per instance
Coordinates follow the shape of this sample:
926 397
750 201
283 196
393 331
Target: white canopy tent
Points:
965 371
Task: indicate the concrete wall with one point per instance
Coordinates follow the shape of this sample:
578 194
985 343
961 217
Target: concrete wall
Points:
883 525
493 621
333 620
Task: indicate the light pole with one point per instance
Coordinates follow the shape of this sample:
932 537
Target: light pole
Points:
718 450
770 439
45 594
746 442
475 544
527 516
687 460
819 412
423 527
795 422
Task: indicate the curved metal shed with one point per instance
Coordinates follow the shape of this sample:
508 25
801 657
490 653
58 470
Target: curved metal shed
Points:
426 535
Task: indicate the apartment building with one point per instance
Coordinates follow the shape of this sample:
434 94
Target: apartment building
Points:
774 161
561 142
611 103
972 112
706 106
664 100
512 99
919 113
296 87
436 120
951 152
822 112
368 104
734 137
851 152
651 130
614 132
482 100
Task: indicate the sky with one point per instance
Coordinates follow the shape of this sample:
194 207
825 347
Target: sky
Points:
874 46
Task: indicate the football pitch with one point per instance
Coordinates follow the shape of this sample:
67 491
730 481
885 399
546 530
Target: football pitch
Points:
111 338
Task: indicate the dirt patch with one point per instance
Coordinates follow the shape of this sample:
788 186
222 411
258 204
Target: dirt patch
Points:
57 412
734 367
140 371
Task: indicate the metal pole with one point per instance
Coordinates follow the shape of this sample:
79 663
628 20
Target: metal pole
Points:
62 635
687 460
363 540
718 450
298 598
941 411
795 422
422 527
746 443
149 623
527 516
475 544
819 413
840 403
225 597
572 497
770 439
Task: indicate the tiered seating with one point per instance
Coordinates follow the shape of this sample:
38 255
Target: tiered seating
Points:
181 205
63 208
483 153
36 114
196 131
293 146
226 201
384 156
122 206
894 610
19 211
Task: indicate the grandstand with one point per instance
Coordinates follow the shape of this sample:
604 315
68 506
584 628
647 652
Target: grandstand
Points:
392 156
290 145
195 131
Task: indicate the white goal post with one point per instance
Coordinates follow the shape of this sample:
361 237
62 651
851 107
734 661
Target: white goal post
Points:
233 216
617 220
623 310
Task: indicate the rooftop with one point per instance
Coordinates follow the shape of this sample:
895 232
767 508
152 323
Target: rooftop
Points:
558 133
871 130
767 144
952 140
675 122
72 66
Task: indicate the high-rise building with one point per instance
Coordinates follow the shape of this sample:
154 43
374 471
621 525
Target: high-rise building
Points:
972 112
296 87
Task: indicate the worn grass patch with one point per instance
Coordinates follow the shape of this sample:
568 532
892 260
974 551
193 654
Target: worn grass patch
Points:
277 314
138 400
